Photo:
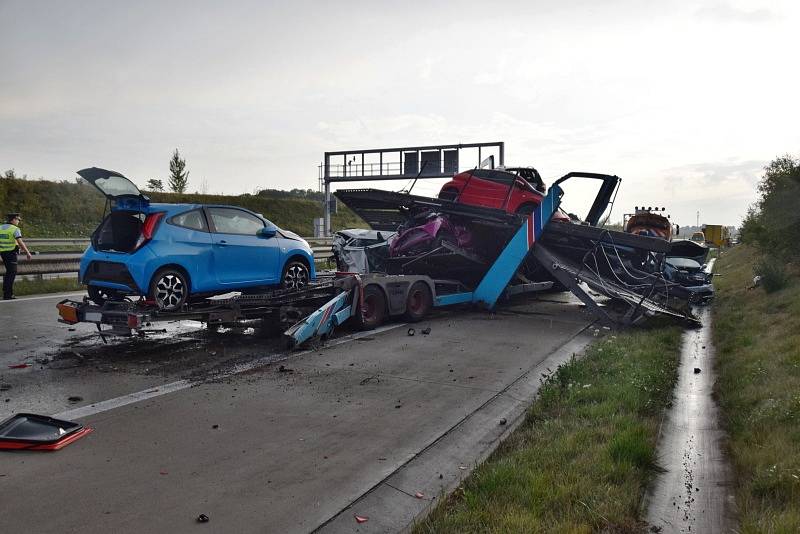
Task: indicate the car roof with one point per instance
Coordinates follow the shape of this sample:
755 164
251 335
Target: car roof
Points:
177 208
172 206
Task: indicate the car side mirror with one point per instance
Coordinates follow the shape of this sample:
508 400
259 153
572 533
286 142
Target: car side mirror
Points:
267 232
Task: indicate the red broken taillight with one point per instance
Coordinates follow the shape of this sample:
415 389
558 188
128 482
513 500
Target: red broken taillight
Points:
149 227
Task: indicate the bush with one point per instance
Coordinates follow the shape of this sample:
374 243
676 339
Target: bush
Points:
773 222
772 272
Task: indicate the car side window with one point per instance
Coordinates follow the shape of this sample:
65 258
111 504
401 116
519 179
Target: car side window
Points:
234 221
191 219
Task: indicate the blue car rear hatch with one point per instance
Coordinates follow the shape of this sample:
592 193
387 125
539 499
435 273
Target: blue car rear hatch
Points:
121 192
124 230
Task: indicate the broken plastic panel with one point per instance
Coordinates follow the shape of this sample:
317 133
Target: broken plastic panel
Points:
26 431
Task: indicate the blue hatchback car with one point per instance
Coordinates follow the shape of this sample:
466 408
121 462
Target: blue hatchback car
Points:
170 253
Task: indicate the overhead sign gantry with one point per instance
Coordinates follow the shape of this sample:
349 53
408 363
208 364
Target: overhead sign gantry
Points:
403 163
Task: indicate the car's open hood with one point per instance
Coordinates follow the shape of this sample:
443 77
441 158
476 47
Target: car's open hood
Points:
112 184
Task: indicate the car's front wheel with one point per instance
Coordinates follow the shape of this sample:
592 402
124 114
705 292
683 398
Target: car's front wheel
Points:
169 289
295 276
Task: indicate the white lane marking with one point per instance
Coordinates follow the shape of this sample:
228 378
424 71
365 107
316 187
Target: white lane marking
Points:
172 387
51 296
110 404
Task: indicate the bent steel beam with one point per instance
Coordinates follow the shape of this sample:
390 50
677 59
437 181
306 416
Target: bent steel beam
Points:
509 260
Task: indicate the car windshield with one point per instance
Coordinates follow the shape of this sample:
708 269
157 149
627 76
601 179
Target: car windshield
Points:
683 263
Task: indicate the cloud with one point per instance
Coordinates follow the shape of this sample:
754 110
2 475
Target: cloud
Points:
725 173
727 13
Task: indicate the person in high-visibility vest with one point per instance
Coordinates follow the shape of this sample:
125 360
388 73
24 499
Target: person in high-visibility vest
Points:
10 243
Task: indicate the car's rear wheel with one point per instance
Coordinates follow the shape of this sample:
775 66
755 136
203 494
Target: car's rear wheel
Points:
419 302
448 194
295 276
169 289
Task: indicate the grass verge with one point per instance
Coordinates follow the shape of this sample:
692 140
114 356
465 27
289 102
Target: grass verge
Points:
53 285
757 335
581 460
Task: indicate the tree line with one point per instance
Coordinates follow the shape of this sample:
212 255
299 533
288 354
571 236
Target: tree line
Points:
772 223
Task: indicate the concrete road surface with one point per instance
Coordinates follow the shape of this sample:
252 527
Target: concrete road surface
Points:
229 426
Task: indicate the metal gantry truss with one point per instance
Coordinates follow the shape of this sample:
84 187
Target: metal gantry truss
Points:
398 163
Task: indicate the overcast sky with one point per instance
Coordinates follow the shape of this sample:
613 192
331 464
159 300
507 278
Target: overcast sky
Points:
685 101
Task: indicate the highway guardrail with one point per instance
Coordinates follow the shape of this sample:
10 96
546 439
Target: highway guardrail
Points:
69 262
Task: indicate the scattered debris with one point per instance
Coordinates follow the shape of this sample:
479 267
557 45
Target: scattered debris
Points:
411 331
361 519
19 366
503 421
202 518
163 472
42 361
419 495
425 331
696 370
75 398
370 379
34 432
284 369
215 427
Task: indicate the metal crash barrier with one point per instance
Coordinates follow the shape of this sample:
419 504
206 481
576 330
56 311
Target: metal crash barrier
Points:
69 262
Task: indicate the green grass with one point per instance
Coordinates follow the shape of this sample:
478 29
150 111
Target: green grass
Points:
584 455
52 285
69 209
757 335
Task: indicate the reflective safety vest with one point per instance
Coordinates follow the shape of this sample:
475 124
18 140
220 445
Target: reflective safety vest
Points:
7 240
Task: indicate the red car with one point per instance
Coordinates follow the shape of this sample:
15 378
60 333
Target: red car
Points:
514 189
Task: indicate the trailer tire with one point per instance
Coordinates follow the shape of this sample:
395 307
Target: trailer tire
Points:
271 325
101 295
418 302
373 308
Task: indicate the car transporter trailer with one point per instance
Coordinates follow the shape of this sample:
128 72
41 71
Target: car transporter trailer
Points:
334 299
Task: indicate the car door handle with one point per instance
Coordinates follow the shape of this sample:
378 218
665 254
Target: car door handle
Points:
222 243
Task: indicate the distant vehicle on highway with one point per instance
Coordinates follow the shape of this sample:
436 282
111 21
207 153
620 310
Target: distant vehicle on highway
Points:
649 222
169 253
698 237
716 234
